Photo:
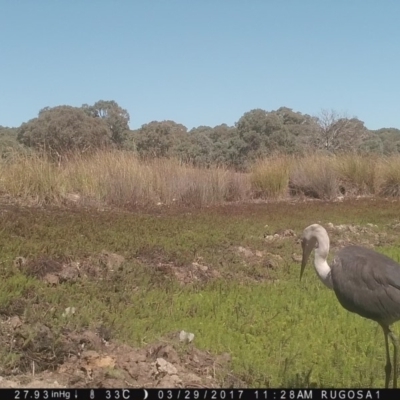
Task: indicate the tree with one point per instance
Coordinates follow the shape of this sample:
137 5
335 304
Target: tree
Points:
115 117
62 129
262 133
160 138
8 141
388 139
205 146
224 147
303 130
254 128
339 133
196 148
372 145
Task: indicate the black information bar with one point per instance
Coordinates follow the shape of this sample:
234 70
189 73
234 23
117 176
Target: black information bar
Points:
199 394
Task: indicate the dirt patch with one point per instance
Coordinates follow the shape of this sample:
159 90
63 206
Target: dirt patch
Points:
367 235
193 273
86 360
282 234
268 260
55 272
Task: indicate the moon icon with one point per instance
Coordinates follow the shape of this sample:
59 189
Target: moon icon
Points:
146 394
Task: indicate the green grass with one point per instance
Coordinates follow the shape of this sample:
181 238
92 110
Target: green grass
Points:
279 332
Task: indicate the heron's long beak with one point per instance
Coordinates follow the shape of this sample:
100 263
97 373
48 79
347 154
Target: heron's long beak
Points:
308 248
303 263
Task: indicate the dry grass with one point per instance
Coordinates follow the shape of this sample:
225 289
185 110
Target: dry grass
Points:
358 175
389 176
270 177
314 176
119 179
30 178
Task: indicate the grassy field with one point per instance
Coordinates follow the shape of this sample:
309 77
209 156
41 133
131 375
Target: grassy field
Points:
279 331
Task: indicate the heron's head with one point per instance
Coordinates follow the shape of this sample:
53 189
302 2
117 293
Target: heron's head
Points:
309 242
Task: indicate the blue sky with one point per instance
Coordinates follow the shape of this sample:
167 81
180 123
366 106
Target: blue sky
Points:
201 62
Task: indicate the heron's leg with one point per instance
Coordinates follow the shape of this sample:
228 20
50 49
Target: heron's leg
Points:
395 342
388 366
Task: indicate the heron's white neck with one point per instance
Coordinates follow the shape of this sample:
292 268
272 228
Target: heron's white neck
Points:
321 254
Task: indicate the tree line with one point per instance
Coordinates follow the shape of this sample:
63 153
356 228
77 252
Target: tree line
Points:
258 133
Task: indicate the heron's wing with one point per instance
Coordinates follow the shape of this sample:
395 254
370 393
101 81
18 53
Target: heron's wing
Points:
367 283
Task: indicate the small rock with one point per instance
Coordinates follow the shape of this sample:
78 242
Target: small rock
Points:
172 381
19 262
112 261
15 322
245 252
104 362
203 268
73 197
288 233
163 366
68 311
270 238
51 279
352 229
69 273
272 261
91 338
186 336
296 257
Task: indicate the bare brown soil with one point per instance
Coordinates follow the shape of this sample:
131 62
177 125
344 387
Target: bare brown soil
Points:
85 359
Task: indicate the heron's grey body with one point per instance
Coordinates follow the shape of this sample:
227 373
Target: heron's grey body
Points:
367 283
364 281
